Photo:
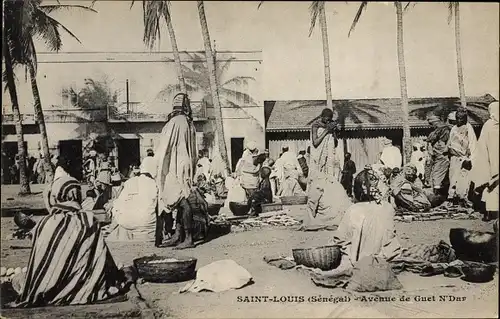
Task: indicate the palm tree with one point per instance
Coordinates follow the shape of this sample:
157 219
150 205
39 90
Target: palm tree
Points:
220 137
10 35
35 21
153 12
317 10
454 10
402 71
197 80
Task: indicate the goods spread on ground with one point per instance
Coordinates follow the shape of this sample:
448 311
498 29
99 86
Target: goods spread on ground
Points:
161 261
444 211
7 273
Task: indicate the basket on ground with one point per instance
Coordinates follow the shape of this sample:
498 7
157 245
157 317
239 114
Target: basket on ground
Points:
214 208
24 221
324 258
294 200
478 272
239 209
166 269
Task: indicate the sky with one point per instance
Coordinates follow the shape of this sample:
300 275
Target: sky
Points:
363 65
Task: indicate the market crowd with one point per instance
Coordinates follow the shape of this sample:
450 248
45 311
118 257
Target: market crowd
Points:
167 199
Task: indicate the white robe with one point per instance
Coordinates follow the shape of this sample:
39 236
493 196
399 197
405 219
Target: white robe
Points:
134 211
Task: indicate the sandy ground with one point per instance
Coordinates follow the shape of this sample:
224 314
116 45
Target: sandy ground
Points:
248 249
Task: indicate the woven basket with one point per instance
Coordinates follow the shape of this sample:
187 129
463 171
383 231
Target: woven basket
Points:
478 272
175 271
24 221
294 200
324 258
239 209
213 209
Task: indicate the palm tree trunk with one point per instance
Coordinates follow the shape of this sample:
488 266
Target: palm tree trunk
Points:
11 84
47 165
403 86
213 86
177 57
458 48
326 56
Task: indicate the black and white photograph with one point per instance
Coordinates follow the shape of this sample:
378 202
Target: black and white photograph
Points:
249 159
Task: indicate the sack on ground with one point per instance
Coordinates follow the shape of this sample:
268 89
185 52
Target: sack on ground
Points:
371 274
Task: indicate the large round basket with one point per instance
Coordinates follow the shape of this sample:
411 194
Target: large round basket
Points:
324 258
294 200
164 270
239 209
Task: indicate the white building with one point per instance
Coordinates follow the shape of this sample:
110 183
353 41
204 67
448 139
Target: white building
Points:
136 79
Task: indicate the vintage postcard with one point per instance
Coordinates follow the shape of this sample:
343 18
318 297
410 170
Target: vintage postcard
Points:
249 159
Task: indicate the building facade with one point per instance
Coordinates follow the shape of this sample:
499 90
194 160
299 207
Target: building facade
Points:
126 97
366 122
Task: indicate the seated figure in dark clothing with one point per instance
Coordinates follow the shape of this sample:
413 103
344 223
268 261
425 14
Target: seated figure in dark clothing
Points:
263 195
192 222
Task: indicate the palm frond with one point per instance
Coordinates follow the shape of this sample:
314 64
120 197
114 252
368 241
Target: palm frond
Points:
233 105
223 67
239 80
153 12
51 8
314 10
235 95
48 29
451 7
362 7
407 6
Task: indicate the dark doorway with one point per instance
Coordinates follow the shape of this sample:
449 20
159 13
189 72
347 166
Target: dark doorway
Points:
236 150
9 152
128 154
72 150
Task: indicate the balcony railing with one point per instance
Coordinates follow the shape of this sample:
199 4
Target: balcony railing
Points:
199 110
100 115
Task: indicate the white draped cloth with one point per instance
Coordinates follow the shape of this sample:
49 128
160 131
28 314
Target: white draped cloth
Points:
134 210
323 158
391 157
176 155
485 163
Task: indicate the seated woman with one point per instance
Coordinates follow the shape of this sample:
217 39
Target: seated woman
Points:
134 211
192 218
327 202
70 263
290 184
263 195
367 229
409 194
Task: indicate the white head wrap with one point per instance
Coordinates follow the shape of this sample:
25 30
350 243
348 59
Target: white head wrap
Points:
493 109
251 145
148 165
452 116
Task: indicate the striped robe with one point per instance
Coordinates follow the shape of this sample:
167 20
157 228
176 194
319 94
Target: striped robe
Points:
70 263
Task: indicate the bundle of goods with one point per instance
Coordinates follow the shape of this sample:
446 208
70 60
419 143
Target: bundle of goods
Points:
8 273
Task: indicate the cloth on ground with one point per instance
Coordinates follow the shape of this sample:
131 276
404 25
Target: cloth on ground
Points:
221 275
280 261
